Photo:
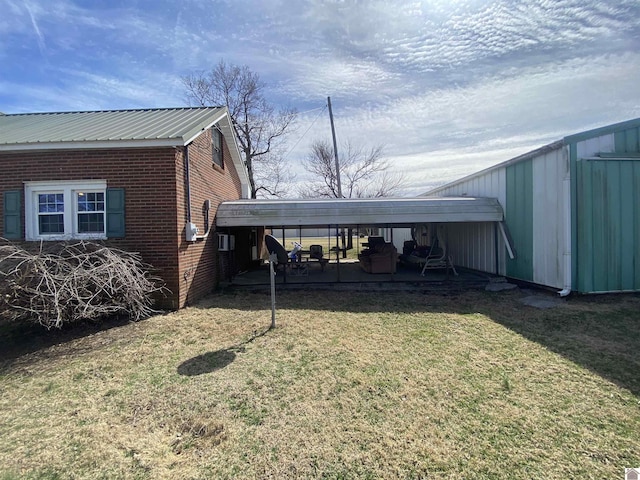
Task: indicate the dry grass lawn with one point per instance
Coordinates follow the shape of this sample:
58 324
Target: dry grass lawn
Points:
349 385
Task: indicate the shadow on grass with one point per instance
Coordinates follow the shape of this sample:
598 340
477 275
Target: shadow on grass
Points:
207 362
600 333
211 361
605 342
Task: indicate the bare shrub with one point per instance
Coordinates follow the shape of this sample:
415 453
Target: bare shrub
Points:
69 282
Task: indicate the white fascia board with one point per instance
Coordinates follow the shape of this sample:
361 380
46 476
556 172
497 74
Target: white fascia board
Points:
195 135
357 212
232 142
163 142
229 134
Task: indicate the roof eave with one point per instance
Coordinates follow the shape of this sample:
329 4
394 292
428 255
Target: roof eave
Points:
598 132
383 211
197 130
93 145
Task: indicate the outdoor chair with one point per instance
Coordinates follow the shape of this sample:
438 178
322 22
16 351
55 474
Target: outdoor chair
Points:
315 251
316 254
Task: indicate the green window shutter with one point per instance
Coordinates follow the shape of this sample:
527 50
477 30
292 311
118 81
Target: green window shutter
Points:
13 215
115 213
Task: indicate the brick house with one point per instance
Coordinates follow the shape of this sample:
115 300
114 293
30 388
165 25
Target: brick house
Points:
148 181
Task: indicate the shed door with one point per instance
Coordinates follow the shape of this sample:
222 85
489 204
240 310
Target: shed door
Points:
608 225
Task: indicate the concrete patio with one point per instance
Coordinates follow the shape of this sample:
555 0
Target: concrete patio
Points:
348 275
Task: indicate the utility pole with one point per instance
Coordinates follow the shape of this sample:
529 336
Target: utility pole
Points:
339 185
335 149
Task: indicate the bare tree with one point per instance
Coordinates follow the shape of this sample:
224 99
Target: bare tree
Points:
364 173
259 127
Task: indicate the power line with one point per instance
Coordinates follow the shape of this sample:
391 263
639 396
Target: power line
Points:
284 116
322 109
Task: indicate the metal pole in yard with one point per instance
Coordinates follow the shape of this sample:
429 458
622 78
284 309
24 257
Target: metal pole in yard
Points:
272 259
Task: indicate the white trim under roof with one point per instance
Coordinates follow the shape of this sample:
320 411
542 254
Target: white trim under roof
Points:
85 145
392 212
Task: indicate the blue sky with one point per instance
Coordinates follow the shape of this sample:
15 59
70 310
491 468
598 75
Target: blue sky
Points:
449 87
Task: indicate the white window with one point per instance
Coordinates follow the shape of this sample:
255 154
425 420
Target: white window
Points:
64 210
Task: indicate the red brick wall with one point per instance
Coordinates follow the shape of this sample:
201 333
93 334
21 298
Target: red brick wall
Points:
155 197
199 262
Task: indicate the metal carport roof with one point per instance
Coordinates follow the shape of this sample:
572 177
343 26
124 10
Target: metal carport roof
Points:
392 212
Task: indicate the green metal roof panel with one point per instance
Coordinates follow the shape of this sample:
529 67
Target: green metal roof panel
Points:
169 124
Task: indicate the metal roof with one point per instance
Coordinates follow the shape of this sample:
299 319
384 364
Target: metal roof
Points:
520 158
354 212
99 129
577 137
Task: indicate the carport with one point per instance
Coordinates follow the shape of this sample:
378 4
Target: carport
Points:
338 214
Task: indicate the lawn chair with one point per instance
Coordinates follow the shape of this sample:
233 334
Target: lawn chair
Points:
315 251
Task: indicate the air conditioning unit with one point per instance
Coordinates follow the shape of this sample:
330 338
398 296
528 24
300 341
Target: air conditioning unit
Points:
226 242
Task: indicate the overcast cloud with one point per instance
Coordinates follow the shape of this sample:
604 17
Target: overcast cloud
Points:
449 87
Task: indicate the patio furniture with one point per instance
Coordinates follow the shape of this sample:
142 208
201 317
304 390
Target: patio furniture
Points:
382 258
437 257
317 255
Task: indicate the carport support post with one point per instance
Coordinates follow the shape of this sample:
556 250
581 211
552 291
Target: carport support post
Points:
272 259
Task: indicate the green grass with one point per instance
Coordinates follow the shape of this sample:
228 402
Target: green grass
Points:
349 385
327 244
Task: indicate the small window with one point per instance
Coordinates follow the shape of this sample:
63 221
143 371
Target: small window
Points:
216 146
64 210
50 213
90 212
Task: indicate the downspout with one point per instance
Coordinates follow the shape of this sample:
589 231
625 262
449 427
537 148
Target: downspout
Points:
187 181
191 230
566 194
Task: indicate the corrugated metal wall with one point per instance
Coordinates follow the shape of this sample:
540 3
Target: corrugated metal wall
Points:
530 191
549 225
473 245
519 219
603 207
608 243
627 141
607 213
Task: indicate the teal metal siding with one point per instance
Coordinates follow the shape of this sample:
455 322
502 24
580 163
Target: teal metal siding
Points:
628 140
519 218
608 224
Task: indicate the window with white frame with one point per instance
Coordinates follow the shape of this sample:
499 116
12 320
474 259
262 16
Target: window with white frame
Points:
63 210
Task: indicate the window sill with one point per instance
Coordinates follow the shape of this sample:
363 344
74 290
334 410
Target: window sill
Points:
64 238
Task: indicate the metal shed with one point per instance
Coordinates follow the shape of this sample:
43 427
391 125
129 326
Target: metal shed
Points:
572 208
